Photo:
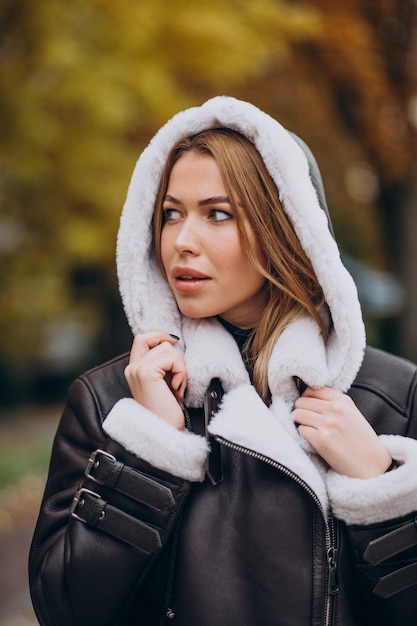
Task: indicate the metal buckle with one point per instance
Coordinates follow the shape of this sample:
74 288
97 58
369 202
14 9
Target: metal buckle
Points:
94 462
78 501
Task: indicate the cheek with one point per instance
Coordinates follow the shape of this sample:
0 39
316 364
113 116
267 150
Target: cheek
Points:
238 256
257 248
165 249
165 244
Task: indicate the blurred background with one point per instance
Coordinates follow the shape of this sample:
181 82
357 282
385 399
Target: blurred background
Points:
83 87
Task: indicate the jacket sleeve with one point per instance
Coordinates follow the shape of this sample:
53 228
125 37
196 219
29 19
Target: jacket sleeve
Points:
105 516
381 519
386 556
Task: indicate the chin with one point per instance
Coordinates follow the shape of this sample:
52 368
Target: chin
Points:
196 312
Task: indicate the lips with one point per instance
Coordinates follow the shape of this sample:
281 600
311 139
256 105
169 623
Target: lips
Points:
186 273
187 280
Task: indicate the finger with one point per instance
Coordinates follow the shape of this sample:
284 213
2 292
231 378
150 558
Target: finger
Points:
306 418
144 342
311 404
176 373
163 362
321 400
321 393
179 383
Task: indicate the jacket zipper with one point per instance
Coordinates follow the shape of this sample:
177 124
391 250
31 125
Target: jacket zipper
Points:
329 525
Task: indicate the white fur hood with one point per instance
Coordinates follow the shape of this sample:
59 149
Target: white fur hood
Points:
148 301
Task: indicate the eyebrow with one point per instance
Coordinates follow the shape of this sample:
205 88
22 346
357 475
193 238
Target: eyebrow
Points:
207 201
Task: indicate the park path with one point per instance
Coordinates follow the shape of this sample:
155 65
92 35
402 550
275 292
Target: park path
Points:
19 505
15 605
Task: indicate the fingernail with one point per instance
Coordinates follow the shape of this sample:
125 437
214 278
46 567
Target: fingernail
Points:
174 336
185 392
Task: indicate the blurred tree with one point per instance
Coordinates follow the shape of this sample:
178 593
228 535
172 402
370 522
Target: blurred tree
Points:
365 63
82 84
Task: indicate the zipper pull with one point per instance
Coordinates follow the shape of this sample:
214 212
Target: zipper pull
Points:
333 586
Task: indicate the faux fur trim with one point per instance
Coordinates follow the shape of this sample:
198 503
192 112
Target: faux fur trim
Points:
210 352
246 421
300 351
384 497
147 298
152 439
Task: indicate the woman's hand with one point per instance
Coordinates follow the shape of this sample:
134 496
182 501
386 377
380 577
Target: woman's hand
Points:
157 377
337 430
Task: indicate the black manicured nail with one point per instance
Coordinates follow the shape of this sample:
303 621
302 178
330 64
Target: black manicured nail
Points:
174 336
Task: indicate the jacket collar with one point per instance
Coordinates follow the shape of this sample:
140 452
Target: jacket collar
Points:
243 418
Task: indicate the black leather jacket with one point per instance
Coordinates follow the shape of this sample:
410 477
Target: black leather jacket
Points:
249 546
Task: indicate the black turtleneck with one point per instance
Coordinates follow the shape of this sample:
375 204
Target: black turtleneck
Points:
240 335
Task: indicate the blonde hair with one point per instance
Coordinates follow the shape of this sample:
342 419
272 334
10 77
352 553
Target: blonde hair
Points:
292 287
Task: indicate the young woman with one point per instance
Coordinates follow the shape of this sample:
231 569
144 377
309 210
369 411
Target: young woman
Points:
250 462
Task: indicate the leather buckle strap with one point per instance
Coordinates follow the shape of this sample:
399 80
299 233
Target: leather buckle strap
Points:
94 462
79 501
392 543
88 507
391 584
104 469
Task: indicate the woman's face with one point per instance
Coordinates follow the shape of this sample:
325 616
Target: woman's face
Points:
206 266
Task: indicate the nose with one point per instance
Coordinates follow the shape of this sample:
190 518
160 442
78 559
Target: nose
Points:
187 240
